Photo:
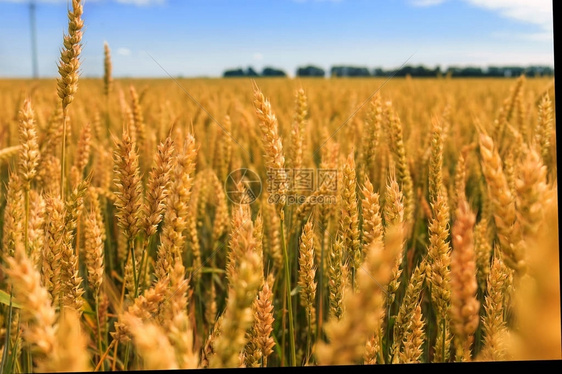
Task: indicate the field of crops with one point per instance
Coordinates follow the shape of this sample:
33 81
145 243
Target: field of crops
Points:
194 223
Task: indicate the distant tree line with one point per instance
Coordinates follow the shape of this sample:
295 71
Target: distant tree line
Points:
413 71
250 72
454 71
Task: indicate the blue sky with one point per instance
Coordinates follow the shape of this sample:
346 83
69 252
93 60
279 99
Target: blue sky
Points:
205 37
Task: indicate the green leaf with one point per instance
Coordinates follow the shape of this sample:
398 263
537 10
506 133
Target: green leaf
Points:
5 299
212 270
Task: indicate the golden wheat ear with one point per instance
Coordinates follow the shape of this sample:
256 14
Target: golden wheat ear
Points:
244 281
439 275
107 70
29 154
128 186
464 304
347 335
307 272
158 187
67 83
37 313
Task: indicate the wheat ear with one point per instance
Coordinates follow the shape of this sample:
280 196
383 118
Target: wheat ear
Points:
464 304
348 335
68 67
29 152
38 311
107 70
493 324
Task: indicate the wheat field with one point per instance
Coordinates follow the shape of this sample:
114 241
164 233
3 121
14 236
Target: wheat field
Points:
208 223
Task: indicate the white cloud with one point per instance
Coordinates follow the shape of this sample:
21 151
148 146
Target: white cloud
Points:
123 51
538 12
426 3
257 56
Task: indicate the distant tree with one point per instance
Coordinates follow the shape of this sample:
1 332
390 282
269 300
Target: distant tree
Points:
234 73
513 71
338 71
360 72
438 71
310 71
469 71
472 72
349 71
250 72
272 72
453 71
537 71
495 71
417 71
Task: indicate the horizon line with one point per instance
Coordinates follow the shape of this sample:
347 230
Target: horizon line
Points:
443 69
